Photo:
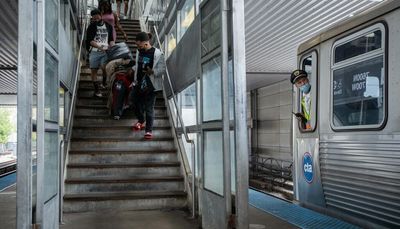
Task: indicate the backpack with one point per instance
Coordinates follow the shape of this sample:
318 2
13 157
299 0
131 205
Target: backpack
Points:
119 50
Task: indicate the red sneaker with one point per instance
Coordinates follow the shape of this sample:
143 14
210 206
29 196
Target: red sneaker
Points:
138 126
148 135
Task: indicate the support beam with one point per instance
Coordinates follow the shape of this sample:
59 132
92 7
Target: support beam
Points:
225 112
241 141
40 110
24 100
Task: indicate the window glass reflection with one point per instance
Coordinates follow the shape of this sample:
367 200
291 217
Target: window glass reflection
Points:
369 42
358 93
212 90
186 16
213 162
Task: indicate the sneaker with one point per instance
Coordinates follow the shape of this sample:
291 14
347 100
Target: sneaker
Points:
102 86
98 94
148 135
138 126
116 117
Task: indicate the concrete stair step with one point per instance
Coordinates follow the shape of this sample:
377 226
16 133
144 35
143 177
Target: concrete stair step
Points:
122 156
90 111
130 22
119 184
118 131
92 101
86 70
81 101
131 31
87 77
90 92
135 24
106 120
94 144
88 170
144 200
97 106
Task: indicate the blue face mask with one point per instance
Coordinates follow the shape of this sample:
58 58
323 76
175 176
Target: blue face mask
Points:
305 88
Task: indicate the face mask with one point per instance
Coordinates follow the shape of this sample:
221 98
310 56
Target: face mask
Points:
100 23
305 88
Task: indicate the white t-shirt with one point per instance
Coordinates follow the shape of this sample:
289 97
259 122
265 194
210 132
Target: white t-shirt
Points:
102 35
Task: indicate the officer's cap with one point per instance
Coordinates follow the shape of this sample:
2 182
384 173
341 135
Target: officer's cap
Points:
297 74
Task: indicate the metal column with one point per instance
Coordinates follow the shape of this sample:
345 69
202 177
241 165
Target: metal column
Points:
40 109
225 111
241 141
24 106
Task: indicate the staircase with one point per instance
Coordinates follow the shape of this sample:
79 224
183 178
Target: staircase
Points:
111 167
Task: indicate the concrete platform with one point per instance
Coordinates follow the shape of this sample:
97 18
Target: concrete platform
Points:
129 220
8 208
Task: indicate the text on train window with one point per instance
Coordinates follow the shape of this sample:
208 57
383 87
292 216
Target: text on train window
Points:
358 86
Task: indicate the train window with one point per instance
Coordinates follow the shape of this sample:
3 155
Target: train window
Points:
358 85
307 102
363 44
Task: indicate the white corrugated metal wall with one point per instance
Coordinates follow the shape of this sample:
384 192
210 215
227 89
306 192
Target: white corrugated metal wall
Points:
274 105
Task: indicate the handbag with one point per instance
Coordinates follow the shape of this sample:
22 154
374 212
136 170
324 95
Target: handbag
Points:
145 86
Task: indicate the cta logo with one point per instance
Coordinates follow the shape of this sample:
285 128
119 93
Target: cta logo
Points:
308 167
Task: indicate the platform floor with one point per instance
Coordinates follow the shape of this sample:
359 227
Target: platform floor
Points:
8 208
131 219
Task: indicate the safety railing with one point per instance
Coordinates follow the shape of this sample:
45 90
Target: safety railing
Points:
185 134
70 120
275 173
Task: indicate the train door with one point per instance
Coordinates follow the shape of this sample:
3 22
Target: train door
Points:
308 188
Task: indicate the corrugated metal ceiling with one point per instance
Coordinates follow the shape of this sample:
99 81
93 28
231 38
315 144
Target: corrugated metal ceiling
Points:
8 46
275 28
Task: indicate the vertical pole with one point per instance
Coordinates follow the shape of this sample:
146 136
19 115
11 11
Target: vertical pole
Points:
241 141
40 110
225 111
24 108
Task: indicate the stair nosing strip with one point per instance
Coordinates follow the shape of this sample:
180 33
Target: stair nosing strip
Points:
121 152
123 195
119 127
121 180
123 165
118 139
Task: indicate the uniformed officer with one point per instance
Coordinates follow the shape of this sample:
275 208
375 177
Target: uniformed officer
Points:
300 79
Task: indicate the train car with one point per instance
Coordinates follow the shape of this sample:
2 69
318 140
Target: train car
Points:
347 163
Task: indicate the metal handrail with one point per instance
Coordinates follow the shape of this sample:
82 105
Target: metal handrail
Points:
74 91
66 141
188 140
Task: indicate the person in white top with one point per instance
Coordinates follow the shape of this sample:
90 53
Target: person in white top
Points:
99 38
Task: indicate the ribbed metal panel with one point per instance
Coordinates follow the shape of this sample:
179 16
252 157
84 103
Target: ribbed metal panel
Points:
362 178
275 28
8 45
